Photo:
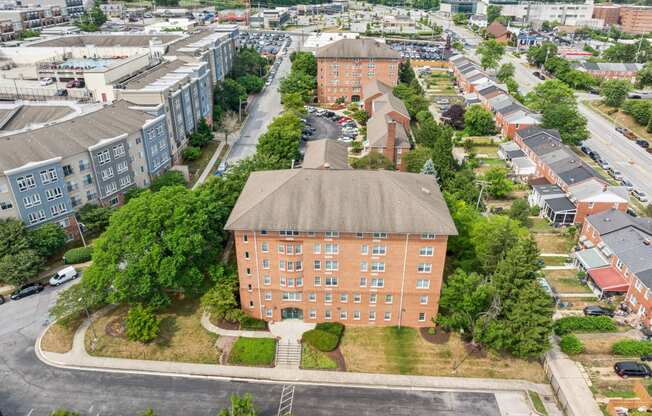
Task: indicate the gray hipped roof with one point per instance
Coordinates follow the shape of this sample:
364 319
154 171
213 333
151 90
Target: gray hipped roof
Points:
357 48
326 154
348 201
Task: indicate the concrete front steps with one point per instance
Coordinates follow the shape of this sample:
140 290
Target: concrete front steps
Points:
288 354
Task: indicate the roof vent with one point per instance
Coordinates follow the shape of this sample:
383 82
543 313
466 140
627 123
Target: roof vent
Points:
425 190
607 219
327 165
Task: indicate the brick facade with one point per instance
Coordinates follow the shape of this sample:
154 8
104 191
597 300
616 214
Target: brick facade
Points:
344 77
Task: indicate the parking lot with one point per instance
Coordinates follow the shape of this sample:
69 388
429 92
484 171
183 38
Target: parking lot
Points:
324 128
263 43
415 50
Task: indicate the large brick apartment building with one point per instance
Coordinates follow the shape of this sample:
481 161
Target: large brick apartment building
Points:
350 246
343 67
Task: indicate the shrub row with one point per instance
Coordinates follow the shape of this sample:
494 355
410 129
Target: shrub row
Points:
252 324
570 324
571 345
325 337
632 348
78 255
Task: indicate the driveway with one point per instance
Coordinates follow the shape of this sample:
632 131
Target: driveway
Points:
325 128
32 388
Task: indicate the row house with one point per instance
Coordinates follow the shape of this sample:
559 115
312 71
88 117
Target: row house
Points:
610 70
180 90
616 252
358 247
48 172
568 190
388 127
345 66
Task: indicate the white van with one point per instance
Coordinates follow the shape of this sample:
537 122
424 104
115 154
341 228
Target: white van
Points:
63 276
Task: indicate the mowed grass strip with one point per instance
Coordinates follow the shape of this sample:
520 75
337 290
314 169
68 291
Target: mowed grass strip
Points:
58 338
311 358
253 351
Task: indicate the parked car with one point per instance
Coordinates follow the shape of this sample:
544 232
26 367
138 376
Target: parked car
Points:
632 369
46 81
2 299
640 195
616 174
604 165
595 310
539 75
643 143
585 149
27 290
627 184
646 357
64 275
61 93
75 83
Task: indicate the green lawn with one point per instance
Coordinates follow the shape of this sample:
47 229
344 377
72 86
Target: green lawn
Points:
313 359
537 402
400 343
565 281
555 261
542 225
196 167
490 151
253 351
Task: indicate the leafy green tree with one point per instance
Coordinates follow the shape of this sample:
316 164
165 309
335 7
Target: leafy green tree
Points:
304 62
568 120
520 211
96 218
429 168
142 324
169 178
550 93
221 301
282 139
232 95
498 184
614 92
492 237
416 158
640 110
16 269
538 55
191 153
299 82
629 53
478 121
460 19
248 62
47 239
253 84
490 52
294 102
405 72
240 406
373 161
493 12
92 19
464 297
71 303
131 193
644 77
454 116
505 72
156 245
462 187
13 237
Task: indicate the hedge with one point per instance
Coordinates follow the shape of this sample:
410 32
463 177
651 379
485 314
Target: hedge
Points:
321 340
78 255
571 345
334 328
570 324
252 324
632 348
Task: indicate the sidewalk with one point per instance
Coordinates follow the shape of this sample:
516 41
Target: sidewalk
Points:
79 359
209 168
208 325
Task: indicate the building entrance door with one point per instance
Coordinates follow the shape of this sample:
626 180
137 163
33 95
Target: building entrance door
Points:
292 313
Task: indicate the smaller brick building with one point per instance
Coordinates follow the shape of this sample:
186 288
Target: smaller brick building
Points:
343 67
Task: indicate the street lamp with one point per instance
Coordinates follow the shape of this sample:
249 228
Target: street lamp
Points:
81 233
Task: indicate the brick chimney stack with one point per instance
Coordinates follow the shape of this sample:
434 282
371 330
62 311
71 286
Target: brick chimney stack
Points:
390 145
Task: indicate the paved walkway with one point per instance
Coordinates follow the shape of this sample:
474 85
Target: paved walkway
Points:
208 170
78 358
554 255
208 325
565 267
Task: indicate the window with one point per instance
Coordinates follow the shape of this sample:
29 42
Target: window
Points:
359 235
32 200
125 181
119 150
107 173
638 285
103 157
267 280
248 271
377 236
379 251
387 316
4 205
88 179
35 217
428 236
389 298
53 193
299 281
331 234
328 297
57 209
424 268
268 295
281 264
423 284
343 315
265 261
425 251
312 297
251 304
327 314
364 266
263 232
423 300
619 264
364 249
375 282
288 233
363 281
317 281
316 248
344 297
264 247
111 188
330 281
290 281
298 249
122 166
282 281
422 316
269 312
317 265
292 296
373 298
356 315
331 249
372 315
281 249
298 266
26 182
312 314
83 165
377 267
331 265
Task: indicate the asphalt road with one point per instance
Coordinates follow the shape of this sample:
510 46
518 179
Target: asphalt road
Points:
29 387
618 151
324 128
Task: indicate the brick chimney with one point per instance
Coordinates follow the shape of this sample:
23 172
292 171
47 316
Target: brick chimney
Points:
390 144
